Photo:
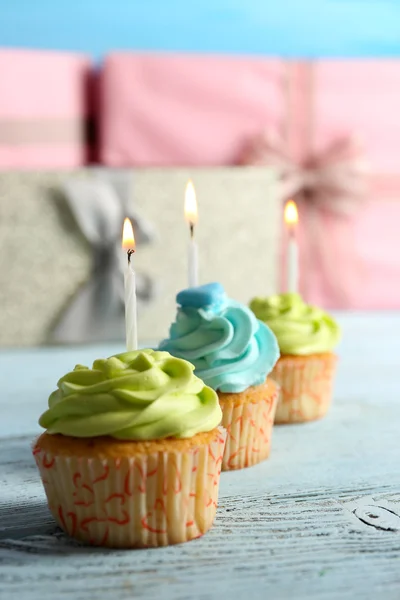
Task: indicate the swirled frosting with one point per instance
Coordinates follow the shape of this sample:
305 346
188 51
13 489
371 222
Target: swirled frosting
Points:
230 349
140 395
300 329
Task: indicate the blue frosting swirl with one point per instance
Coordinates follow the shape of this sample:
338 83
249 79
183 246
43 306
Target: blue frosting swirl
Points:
230 349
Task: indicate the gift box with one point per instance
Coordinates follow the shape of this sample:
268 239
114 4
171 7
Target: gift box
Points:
61 274
328 126
180 110
45 105
337 157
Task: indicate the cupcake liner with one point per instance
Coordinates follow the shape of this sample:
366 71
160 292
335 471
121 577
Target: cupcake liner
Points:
306 387
249 431
144 501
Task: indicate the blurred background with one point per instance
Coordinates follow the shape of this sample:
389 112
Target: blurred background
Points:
108 108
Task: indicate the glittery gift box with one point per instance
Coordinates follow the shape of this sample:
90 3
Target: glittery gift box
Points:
45 259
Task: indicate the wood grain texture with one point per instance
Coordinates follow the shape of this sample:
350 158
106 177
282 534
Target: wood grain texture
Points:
318 520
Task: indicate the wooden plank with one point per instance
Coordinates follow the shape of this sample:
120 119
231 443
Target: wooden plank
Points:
319 520
315 549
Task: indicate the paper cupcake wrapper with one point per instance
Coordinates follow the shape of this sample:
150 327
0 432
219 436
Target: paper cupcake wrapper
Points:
249 431
306 387
145 501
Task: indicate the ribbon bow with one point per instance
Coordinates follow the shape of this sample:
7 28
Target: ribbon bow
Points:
333 178
99 205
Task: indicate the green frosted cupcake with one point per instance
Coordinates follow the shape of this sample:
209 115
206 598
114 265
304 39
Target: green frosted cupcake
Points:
307 336
132 452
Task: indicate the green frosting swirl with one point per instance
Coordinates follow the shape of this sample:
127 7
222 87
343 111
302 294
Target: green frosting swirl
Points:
140 395
300 329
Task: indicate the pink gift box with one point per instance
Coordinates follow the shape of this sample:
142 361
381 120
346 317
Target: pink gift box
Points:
44 109
184 110
356 260
173 109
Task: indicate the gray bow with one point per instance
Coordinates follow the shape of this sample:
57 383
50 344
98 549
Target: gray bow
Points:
99 205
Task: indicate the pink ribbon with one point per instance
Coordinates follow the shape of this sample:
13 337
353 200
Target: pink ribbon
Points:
332 181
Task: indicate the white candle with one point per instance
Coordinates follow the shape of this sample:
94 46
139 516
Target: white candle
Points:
191 216
130 308
193 267
128 242
292 251
292 265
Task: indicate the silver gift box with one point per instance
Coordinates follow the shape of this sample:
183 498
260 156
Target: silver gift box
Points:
45 259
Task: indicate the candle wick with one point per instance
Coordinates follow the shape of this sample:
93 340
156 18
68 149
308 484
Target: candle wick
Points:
129 253
191 230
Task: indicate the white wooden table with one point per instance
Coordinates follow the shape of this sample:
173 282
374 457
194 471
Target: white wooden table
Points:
319 520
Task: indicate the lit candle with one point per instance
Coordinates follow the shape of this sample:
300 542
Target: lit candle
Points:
128 243
291 219
191 217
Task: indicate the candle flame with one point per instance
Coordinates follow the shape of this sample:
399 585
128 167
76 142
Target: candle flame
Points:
291 215
128 239
191 214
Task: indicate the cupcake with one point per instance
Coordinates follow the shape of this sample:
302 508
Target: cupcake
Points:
132 452
305 371
233 353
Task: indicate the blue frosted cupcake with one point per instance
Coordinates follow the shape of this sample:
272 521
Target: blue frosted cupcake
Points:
233 352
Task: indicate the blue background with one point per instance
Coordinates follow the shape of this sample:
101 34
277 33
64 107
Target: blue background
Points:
283 27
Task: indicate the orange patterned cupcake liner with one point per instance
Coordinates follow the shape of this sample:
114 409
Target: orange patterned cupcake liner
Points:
306 387
248 422
143 501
